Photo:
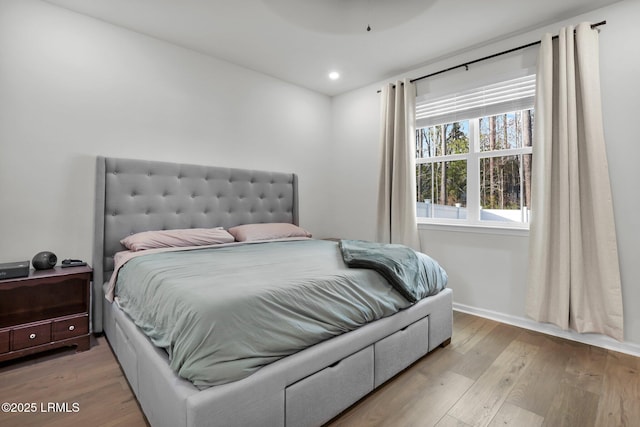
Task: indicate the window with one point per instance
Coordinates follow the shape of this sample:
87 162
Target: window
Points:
473 155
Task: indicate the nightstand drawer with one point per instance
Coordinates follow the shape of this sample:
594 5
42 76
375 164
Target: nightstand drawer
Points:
70 327
4 341
30 336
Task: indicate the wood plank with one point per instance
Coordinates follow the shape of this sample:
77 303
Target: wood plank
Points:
573 406
483 400
586 367
619 403
460 317
449 421
439 360
438 396
537 387
417 400
512 415
464 339
484 353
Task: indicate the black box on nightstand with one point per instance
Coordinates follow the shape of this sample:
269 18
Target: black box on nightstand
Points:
10 270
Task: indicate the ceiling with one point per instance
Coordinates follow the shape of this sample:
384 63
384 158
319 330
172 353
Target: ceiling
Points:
301 41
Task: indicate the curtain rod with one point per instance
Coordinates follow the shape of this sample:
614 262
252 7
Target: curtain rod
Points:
466 64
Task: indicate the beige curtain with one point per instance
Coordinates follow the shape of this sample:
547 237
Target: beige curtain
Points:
397 191
574 276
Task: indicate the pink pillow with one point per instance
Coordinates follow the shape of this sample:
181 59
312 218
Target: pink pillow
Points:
176 238
276 230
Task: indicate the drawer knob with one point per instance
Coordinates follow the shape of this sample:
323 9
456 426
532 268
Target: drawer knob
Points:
71 328
32 336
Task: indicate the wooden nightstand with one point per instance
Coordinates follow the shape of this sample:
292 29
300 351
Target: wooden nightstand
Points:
47 309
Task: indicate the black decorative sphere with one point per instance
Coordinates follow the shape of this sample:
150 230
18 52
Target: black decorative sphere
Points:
44 260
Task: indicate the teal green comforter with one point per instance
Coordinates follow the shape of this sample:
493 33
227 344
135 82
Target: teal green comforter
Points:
223 313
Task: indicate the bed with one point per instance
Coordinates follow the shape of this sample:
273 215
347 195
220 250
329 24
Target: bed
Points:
306 388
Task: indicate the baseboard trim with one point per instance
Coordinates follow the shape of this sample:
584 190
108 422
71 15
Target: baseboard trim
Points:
549 329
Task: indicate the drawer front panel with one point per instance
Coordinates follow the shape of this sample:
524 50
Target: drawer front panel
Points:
4 341
70 327
30 336
397 351
323 395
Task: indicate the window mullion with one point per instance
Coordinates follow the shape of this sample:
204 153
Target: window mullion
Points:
473 173
438 159
506 152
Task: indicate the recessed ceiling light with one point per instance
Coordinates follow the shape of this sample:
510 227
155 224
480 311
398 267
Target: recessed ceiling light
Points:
334 75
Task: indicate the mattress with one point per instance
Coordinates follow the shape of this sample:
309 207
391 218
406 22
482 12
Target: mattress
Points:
222 313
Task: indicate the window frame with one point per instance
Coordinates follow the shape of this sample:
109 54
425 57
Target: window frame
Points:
473 158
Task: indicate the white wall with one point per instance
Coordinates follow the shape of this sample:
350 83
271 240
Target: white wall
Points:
488 271
72 87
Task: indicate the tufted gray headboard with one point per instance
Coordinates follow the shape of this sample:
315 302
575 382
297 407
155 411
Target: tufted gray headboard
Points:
138 195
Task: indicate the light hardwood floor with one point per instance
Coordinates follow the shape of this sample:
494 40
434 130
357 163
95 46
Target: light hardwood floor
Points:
490 375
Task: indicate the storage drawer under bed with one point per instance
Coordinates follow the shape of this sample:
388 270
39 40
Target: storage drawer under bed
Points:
323 395
397 351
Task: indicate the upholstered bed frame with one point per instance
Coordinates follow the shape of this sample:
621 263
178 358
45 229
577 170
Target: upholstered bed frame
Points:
305 389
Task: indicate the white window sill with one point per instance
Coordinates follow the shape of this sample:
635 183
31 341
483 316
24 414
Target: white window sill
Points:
472 228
